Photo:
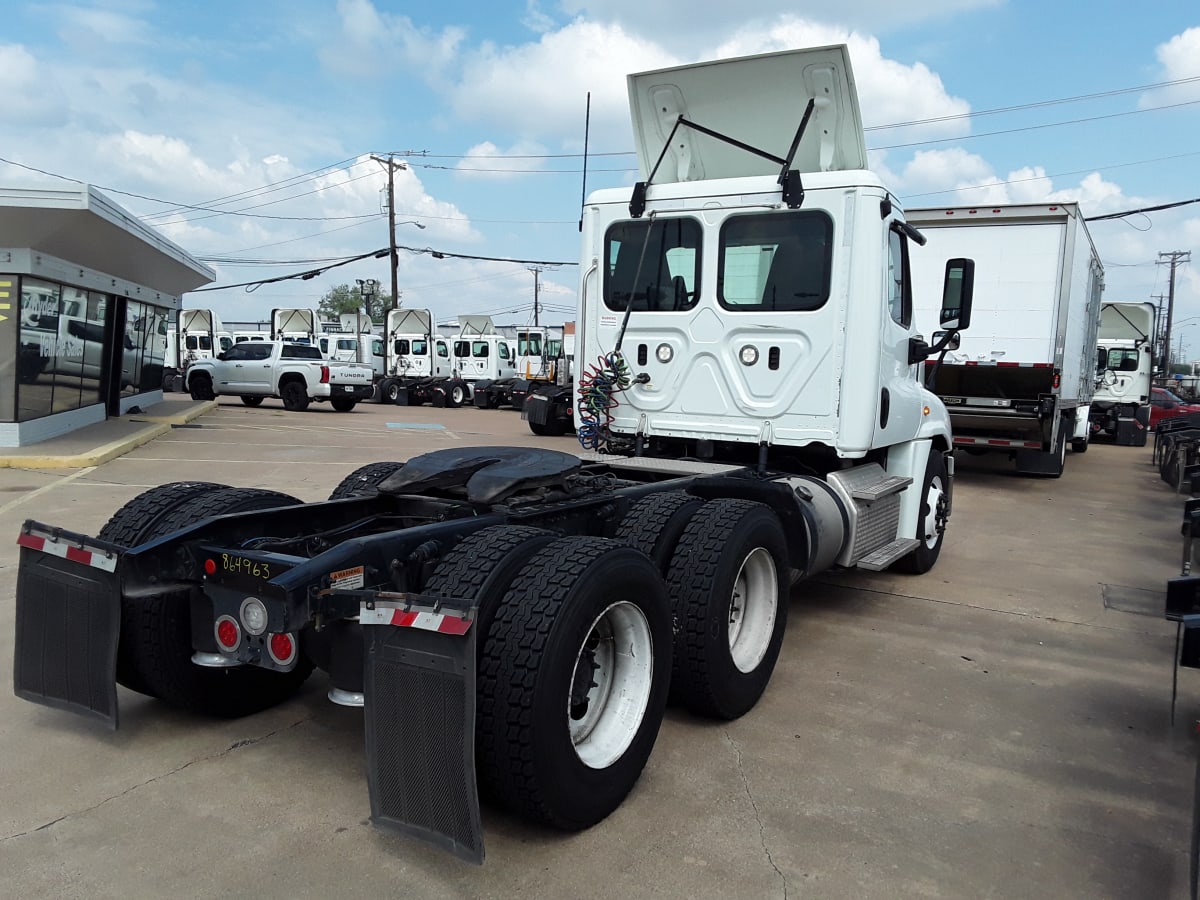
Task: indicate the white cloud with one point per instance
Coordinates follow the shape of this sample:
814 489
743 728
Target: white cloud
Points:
488 162
889 92
30 94
372 43
685 23
539 90
1179 58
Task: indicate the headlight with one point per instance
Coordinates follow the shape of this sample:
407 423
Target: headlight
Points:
664 353
749 355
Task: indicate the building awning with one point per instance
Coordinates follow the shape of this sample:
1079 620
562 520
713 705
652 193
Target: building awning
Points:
82 226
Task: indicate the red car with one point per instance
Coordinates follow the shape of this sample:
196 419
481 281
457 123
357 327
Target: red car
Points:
1166 405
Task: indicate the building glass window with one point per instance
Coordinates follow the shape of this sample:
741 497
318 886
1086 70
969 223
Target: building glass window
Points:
64 351
40 305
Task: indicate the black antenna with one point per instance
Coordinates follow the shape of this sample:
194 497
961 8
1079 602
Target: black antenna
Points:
587 124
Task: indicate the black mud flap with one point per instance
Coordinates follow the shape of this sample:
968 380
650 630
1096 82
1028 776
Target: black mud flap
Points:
536 408
68 623
420 723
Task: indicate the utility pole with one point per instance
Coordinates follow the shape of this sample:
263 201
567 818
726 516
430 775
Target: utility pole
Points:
393 258
1173 258
536 270
1156 345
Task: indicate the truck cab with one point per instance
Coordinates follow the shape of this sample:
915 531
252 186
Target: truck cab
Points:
1122 407
754 308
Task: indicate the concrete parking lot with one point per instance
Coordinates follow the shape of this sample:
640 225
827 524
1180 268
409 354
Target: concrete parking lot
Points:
997 728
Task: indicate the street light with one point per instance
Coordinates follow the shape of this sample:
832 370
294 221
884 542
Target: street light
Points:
367 289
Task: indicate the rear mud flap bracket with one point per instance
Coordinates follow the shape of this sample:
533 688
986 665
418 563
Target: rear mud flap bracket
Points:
420 723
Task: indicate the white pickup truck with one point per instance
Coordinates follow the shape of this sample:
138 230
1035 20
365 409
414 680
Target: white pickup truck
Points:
295 373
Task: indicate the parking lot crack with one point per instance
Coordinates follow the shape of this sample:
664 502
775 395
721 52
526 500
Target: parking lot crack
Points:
762 831
236 745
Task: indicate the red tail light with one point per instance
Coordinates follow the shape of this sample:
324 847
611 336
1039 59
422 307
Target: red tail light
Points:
228 633
282 648
324 374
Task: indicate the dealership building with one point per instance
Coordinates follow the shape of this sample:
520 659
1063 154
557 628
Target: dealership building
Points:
87 293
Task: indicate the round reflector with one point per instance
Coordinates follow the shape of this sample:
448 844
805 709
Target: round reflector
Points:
210 567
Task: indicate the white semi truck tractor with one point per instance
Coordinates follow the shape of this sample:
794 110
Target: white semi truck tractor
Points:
516 618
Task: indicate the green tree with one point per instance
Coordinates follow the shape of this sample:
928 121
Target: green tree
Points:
345 298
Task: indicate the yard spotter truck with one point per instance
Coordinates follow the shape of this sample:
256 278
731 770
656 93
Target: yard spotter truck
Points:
513 620
1124 372
1021 381
535 364
422 366
199 335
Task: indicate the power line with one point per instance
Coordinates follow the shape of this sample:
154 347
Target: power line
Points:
1128 112
1037 104
308 274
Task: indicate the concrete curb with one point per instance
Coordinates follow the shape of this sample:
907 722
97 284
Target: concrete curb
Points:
193 412
149 428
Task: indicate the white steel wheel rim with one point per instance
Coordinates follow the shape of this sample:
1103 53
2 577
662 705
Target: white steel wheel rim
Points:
620 651
933 500
752 609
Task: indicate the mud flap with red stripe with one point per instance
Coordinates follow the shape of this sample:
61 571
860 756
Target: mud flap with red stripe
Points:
68 622
420 722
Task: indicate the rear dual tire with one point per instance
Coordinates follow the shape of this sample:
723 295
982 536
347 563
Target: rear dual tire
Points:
155 647
573 681
728 584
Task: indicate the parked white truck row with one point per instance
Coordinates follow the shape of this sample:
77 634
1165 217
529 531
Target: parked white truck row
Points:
411 363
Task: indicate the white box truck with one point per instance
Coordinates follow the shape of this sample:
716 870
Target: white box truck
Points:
1021 380
1124 370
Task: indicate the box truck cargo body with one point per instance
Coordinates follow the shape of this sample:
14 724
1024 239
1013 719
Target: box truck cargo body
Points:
1022 378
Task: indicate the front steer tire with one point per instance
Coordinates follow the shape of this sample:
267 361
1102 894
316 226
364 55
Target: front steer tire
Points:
200 387
161 630
573 682
931 518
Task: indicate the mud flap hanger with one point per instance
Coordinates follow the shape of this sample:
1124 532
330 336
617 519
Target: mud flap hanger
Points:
789 178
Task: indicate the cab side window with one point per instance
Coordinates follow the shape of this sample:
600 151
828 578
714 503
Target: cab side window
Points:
899 292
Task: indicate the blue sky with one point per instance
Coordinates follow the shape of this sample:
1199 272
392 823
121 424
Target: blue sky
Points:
264 115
